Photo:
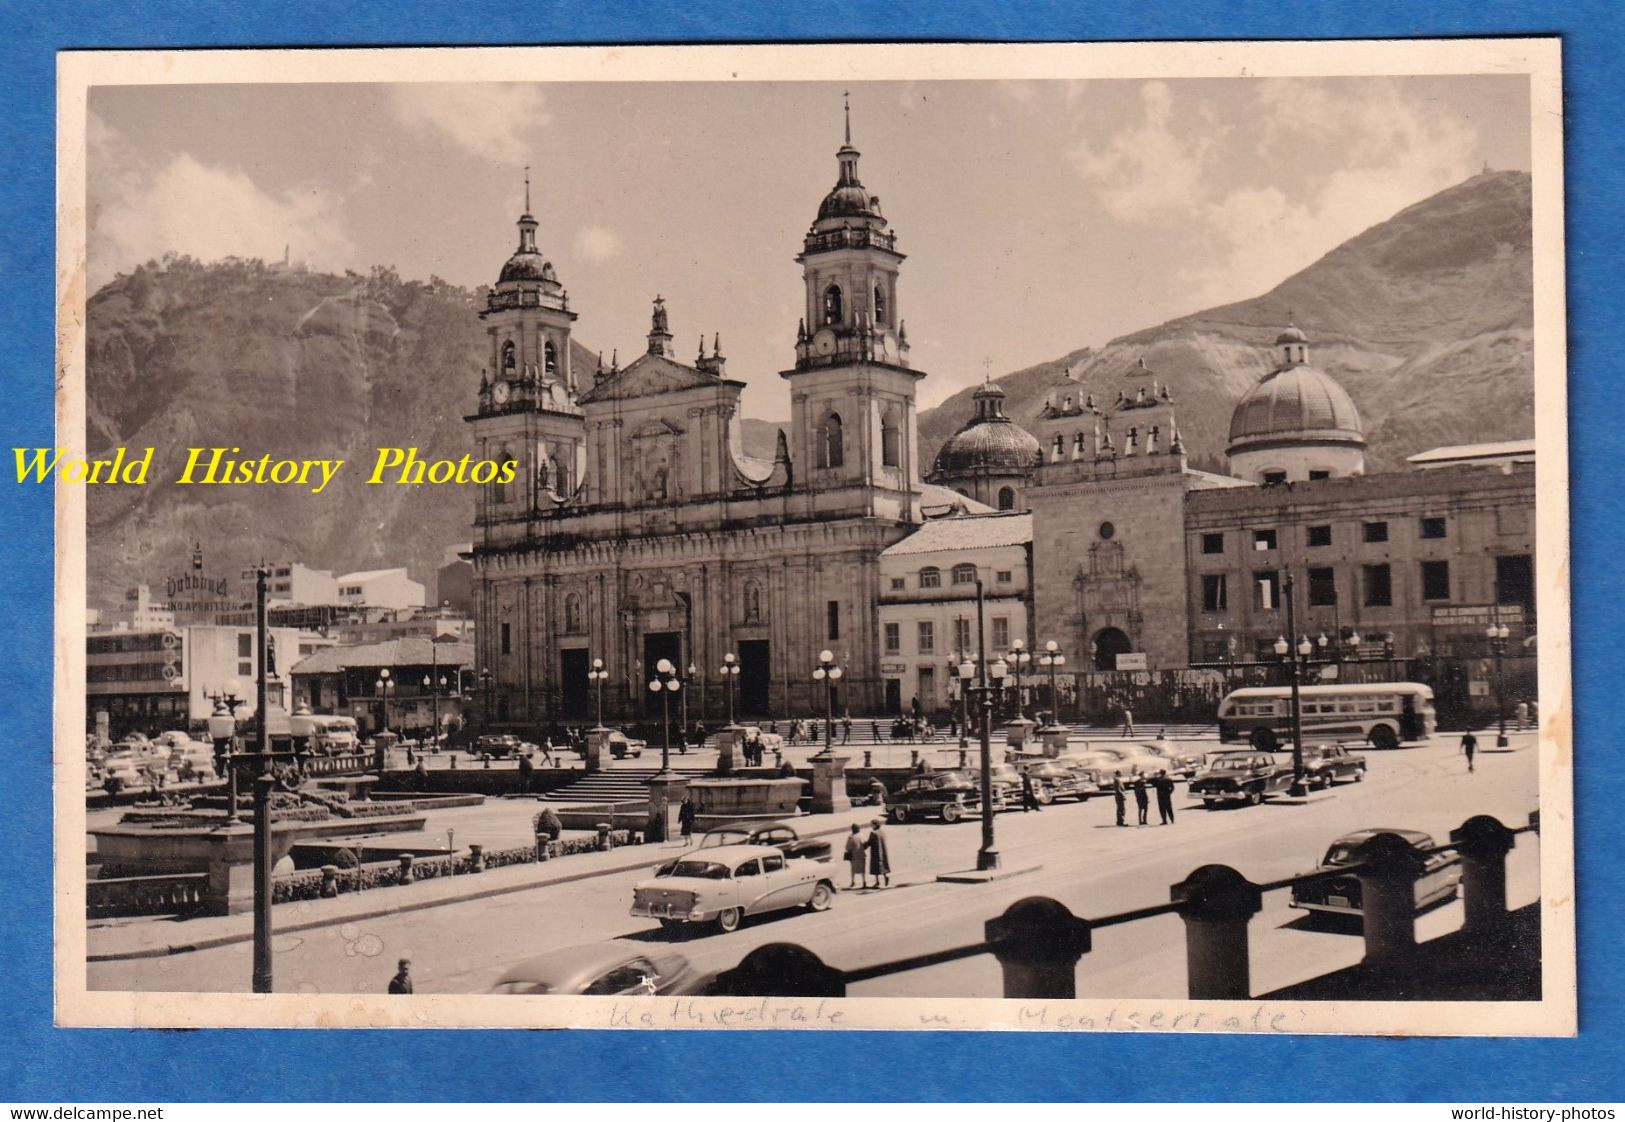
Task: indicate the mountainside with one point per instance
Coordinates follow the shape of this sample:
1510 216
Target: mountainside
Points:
1425 319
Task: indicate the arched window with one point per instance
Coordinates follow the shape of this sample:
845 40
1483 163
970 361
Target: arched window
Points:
550 359
880 303
753 602
930 577
1077 446
499 489
1007 498
572 613
891 453
834 309
555 471
964 574
508 355
1060 447
831 446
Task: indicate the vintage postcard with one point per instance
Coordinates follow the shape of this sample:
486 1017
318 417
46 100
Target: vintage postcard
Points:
1064 537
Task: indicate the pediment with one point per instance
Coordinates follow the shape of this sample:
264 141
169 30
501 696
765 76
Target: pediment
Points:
649 376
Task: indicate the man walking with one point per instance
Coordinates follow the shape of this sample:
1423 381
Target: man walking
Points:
1469 745
1165 797
879 856
1029 800
402 981
1128 721
1142 802
1120 798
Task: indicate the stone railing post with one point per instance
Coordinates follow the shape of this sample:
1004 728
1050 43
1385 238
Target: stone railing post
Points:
1038 942
1390 867
1483 844
406 868
780 970
476 859
604 839
1216 903
330 880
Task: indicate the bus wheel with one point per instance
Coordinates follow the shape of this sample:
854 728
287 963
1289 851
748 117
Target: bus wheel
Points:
1383 737
1262 740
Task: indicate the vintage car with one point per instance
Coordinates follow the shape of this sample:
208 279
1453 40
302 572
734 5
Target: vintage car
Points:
948 795
1438 882
615 968
1240 777
1325 764
1006 782
1167 756
622 747
1053 781
724 884
779 835
497 744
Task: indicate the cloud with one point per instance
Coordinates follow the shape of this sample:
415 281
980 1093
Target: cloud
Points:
1147 171
185 206
487 120
598 243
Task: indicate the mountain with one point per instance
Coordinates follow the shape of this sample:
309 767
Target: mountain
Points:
1426 319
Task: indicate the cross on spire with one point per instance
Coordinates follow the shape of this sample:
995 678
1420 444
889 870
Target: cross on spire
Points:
846 100
987 371
527 188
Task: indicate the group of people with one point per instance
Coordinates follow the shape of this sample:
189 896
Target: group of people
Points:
868 857
1141 788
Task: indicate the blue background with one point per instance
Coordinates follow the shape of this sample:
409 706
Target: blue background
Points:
42 1063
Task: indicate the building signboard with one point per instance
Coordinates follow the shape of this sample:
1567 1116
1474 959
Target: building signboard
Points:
1135 660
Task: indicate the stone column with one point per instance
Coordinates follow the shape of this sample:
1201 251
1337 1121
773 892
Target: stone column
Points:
1389 869
1054 740
1038 943
729 743
1018 732
597 749
1484 843
1216 902
829 784
666 792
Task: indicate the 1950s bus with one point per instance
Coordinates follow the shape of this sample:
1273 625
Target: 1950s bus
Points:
334 736
1385 713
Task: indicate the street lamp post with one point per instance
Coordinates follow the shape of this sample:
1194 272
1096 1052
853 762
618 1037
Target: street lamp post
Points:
1052 659
487 681
598 676
730 675
1017 658
828 673
964 710
382 686
223 731
1296 656
682 728
992 678
262 795
1498 633
665 683
434 686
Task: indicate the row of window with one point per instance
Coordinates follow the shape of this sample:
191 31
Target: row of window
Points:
1317 536
550 358
931 577
925 636
832 442
835 305
1376 585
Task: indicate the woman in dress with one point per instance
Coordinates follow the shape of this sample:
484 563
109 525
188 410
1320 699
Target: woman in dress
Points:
856 858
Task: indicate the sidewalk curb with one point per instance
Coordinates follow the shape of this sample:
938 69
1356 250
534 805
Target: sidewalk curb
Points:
378 912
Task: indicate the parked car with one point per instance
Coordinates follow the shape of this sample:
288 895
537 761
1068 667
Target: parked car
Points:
1173 759
1241 777
1052 781
1438 882
618 967
497 744
779 835
725 884
949 795
1006 782
623 747
1325 764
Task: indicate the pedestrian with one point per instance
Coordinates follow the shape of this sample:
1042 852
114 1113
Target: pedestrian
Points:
1522 712
685 820
402 981
846 729
856 858
1165 797
879 858
1119 796
877 792
526 768
547 751
1469 745
1029 801
1128 721
874 731
1142 802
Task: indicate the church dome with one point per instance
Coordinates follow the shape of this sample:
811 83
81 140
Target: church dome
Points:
1293 403
990 443
1291 335
847 200
526 265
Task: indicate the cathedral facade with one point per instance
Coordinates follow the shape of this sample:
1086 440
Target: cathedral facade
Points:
637 530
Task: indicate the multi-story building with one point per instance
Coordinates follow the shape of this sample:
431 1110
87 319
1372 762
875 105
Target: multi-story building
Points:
406 682
380 588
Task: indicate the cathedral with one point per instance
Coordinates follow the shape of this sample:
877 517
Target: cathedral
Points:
637 530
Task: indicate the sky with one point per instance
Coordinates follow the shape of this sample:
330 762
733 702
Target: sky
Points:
1038 216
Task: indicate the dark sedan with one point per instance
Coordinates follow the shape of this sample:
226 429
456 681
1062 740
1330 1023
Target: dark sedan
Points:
948 795
1440 877
613 968
1325 764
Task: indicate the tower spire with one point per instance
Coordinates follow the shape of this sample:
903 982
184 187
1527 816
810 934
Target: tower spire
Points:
846 101
527 188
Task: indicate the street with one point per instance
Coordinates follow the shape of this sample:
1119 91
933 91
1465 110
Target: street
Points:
1082 859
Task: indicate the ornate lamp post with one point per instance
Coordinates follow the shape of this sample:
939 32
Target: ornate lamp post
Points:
223 731
1498 633
730 675
964 709
382 687
828 673
598 676
434 687
665 683
487 681
1018 658
690 676
992 680
1052 660
1295 660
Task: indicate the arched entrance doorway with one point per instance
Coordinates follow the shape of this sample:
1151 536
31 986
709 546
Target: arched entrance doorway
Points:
1108 643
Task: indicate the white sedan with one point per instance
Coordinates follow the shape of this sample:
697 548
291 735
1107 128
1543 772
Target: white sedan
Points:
724 884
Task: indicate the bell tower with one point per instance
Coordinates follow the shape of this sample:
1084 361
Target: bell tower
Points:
853 424
527 409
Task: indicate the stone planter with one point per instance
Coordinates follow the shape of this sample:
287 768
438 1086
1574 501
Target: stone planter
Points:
717 801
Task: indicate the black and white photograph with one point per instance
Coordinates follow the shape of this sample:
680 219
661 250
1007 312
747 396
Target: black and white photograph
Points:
1065 537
